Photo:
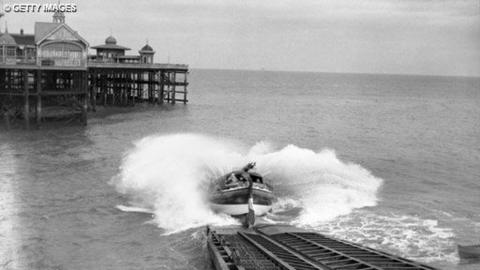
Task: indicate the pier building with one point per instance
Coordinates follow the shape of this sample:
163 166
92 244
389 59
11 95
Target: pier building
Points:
50 74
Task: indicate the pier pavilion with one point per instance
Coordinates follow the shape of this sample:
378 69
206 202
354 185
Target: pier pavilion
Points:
49 74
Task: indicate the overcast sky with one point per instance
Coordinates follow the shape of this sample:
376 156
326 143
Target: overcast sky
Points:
439 37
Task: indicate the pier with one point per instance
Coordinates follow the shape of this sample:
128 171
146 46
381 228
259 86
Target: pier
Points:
288 248
50 74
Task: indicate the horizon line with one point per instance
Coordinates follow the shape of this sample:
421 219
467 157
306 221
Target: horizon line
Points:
337 72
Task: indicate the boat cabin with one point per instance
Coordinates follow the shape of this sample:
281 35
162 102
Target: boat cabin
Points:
242 177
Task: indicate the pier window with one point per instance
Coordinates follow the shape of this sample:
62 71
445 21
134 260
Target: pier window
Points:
11 51
63 54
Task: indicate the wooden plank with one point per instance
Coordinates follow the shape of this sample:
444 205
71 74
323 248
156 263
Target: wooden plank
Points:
62 93
271 255
217 259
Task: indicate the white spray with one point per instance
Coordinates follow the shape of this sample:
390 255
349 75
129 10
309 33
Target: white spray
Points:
169 175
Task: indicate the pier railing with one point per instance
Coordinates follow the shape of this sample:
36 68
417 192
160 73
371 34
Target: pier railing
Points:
17 60
61 61
74 63
112 64
43 61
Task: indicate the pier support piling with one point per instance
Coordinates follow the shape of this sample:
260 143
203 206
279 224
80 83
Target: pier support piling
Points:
38 81
84 98
27 95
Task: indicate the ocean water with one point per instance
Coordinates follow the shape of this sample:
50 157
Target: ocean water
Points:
387 161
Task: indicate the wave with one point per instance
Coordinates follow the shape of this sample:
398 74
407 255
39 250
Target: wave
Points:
169 174
318 182
134 209
410 236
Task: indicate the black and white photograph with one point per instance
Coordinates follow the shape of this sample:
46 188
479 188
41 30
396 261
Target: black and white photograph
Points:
240 134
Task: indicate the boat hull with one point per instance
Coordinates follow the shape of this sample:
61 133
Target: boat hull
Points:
235 201
240 209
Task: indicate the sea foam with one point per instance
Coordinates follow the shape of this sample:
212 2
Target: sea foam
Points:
170 175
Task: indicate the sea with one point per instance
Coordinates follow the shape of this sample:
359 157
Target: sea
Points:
387 161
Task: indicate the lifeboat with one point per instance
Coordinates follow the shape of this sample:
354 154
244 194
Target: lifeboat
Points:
242 192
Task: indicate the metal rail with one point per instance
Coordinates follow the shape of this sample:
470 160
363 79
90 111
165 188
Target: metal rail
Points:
342 255
355 248
285 258
248 256
220 251
251 250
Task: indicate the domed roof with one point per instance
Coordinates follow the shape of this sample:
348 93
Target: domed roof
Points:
110 40
7 39
147 48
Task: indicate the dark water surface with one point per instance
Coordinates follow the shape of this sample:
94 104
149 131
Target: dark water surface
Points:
419 137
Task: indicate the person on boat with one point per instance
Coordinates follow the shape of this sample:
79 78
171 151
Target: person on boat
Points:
232 179
249 166
245 175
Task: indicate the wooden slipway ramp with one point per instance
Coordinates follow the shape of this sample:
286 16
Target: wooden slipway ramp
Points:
286 247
